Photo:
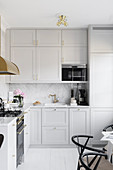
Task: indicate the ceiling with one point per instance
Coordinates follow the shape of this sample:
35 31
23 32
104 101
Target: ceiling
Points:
44 13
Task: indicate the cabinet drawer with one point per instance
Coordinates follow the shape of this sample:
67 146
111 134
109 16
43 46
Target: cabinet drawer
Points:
54 135
54 117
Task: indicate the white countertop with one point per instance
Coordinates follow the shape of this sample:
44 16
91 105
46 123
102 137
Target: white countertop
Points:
5 121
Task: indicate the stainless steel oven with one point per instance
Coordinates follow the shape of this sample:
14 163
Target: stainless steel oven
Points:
74 72
20 139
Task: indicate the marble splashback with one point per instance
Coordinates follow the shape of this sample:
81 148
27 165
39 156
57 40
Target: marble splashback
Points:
40 92
4 88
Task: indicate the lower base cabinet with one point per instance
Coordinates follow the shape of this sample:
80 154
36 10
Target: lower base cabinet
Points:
100 117
8 156
79 122
54 135
56 126
35 126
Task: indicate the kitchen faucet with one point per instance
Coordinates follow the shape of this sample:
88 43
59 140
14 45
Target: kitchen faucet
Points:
54 95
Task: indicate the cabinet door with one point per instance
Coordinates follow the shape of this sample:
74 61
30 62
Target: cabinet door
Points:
26 132
74 55
101 79
49 37
11 146
55 117
100 118
22 37
48 64
74 37
102 40
24 58
35 126
79 123
54 135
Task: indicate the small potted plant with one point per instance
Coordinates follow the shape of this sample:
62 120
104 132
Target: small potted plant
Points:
18 94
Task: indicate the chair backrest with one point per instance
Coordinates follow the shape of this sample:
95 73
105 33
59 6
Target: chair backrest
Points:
82 147
90 161
107 128
1 139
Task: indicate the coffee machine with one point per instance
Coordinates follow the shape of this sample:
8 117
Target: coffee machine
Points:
82 97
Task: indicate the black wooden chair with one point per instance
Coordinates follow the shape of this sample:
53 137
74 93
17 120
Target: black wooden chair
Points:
1 140
108 128
94 161
83 147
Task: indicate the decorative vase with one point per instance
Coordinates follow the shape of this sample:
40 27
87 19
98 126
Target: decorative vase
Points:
20 100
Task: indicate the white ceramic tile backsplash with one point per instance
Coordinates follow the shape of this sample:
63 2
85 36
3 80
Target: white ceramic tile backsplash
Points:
40 92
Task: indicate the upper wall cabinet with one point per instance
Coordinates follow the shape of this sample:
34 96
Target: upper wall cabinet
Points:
74 55
101 80
48 38
24 58
102 39
74 37
48 64
23 38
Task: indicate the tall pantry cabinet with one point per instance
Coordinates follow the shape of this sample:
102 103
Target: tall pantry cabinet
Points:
101 78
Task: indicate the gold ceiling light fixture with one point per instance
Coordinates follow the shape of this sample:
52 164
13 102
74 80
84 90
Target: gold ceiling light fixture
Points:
62 21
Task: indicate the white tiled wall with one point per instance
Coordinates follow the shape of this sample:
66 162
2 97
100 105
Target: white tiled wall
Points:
40 92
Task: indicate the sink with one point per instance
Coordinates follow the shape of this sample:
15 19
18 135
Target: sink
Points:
55 104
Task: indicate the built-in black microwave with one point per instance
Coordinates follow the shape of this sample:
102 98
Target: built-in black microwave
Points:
74 72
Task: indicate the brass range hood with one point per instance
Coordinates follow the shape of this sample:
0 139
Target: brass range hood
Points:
8 68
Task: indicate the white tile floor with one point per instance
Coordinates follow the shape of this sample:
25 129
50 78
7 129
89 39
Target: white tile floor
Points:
50 159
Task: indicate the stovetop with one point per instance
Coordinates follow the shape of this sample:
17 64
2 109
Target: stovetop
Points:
10 113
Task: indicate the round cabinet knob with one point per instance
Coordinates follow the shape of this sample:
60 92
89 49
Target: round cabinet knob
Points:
78 109
13 124
54 109
27 133
13 155
54 128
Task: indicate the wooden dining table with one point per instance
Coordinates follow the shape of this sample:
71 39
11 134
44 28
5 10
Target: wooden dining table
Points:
108 137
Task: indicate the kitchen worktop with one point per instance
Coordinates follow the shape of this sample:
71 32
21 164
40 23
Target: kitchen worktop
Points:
5 121
30 105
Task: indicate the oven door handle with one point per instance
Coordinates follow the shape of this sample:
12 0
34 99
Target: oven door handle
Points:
19 133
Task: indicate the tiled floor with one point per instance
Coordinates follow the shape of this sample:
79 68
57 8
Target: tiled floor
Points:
50 159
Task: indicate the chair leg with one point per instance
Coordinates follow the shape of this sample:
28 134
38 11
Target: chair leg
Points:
78 168
111 159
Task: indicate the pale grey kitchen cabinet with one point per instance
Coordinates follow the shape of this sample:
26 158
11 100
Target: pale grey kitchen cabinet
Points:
35 126
101 39
48 37
79 122
23 37
55 126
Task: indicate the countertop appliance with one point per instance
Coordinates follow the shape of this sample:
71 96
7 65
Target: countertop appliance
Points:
19 130
74 72
82 97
